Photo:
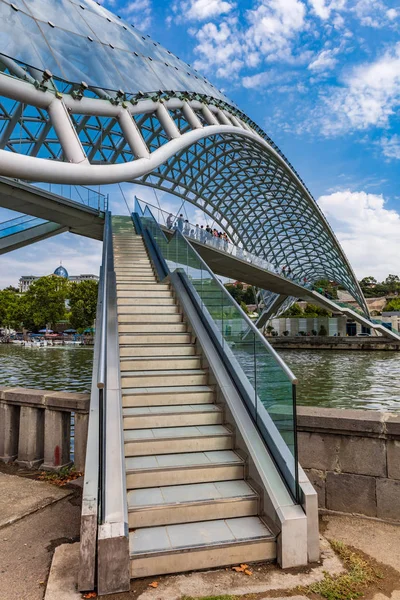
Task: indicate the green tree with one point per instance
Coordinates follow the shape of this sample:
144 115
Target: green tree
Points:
235 291
10 309
393 283
83 303
312 310
45 301
368 281
293 311
249 296
393 305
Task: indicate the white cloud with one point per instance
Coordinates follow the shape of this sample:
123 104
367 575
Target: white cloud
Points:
140 11
373 13
368 232
273 26
369 97
323 62
199 10
268 32
391 146
78 255
323 8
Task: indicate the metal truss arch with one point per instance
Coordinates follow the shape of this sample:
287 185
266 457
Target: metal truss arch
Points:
197 148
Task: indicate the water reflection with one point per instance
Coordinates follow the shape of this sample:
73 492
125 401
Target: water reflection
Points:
66 369
363 380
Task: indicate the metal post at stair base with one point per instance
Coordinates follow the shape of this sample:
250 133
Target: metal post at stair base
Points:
31 437
9 432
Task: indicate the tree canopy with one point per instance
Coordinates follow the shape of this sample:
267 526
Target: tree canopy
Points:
46 303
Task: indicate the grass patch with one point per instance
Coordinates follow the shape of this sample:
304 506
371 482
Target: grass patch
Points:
346 586
225 597
61 477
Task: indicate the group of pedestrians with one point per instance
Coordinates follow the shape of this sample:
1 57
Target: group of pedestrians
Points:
205 235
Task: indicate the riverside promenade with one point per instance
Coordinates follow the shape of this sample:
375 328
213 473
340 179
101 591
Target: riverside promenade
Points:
39 553
352 458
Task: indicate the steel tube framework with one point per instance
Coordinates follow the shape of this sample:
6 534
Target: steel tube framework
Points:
196 147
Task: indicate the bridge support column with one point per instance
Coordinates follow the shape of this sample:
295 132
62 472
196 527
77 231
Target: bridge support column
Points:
57 431
9 432
31 436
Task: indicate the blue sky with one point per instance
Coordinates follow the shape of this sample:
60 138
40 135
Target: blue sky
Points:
322 77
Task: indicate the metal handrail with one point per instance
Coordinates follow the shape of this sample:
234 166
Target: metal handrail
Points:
102 366
293 379
278 452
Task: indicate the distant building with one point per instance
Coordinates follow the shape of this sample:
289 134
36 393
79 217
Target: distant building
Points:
26 280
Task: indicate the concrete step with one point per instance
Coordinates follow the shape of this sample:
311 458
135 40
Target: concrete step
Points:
154 338
179 350
167 505
205 544
156 317
150 363
127 304
142 309
144 290
185 377
151 417
134 267
138 278
166 440
179 469
150 327
168 395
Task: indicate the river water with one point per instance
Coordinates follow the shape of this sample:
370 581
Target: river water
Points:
336 379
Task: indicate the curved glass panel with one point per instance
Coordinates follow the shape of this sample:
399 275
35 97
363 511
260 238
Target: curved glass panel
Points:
84 41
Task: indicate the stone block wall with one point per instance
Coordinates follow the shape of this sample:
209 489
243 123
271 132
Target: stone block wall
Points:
352 458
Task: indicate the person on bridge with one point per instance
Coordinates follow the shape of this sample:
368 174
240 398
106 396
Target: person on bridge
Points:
180 223
170 221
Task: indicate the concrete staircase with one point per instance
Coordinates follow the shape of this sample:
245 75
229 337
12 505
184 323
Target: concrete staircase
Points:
189 504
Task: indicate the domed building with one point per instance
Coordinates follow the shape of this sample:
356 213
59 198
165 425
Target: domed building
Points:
61 272
26 280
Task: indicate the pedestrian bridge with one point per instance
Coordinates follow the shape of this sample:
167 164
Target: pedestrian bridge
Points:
48 212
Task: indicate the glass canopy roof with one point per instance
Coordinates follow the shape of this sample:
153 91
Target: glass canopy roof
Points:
82 41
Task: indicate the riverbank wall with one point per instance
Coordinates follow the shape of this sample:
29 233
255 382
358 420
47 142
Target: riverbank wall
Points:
352 458
323 342
35 428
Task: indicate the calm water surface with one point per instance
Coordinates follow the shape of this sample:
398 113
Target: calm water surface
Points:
63 369
363 380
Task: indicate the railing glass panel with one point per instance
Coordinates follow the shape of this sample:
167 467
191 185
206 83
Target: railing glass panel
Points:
19 224
270 385
77 193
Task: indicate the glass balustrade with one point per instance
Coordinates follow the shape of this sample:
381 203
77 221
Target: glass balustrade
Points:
77 193
271 397
19 224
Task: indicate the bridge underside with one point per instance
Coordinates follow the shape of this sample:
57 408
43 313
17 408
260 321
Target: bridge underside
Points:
68 215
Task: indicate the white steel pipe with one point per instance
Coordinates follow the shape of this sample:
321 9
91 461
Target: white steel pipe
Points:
40 169
191 116
67 136
133 135
167 122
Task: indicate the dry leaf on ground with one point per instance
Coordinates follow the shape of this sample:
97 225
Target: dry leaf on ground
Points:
154 584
